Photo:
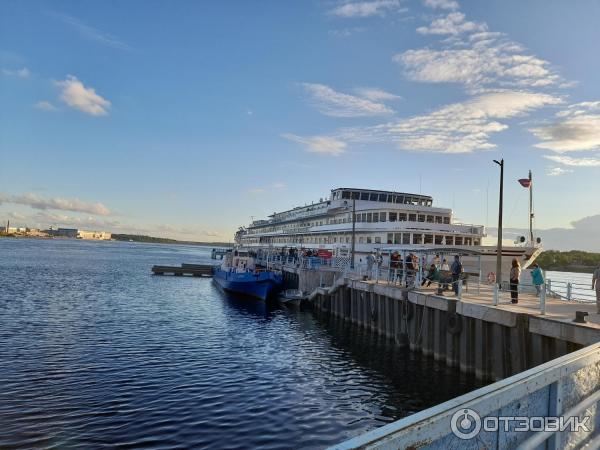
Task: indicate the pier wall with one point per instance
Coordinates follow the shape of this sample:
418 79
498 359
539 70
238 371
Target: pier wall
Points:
490 342
567 388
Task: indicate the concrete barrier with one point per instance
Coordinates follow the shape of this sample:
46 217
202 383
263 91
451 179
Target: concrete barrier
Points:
566 387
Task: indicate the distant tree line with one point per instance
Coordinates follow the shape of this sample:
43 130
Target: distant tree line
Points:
572 261
158 240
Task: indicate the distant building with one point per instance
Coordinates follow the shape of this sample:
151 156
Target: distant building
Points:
94 235
10 230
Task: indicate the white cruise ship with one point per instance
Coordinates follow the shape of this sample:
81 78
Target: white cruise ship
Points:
386 221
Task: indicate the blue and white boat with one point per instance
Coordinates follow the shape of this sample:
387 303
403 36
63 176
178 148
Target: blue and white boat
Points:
239 274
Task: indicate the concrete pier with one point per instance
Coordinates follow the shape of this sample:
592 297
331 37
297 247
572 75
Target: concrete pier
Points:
493 342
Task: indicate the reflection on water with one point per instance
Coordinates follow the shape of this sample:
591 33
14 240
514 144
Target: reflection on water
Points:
95 352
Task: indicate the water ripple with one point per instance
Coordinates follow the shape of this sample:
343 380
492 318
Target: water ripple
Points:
96 353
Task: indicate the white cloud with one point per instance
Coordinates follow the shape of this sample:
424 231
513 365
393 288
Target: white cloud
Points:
457 128
319 144
482 59
577 128
336 104
574 162
77 96
453 24
346 32
365 9
376 94
557 171
45 106
57 203
441 4
20 73
92 33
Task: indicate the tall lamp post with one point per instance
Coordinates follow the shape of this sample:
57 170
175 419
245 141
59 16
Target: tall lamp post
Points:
353 232
500 205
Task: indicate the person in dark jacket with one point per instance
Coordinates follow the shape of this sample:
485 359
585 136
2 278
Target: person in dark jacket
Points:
515 276
456 268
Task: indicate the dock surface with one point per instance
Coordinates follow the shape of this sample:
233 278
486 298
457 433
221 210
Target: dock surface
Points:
196 270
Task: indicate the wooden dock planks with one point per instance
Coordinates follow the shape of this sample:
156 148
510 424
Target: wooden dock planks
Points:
196 270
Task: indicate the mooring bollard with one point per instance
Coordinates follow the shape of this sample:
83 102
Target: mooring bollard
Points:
569 291
543 300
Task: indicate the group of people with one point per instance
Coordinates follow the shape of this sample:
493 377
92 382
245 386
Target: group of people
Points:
537 278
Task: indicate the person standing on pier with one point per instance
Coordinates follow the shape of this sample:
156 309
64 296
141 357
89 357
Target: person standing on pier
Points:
596 285
456 269
515 275
537 277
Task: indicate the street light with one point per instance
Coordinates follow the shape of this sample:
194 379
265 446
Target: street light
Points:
500 205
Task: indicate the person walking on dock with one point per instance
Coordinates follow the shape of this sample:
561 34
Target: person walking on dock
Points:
515 275
537 277
596 285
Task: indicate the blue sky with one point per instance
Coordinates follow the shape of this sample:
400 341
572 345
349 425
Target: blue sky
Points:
184 119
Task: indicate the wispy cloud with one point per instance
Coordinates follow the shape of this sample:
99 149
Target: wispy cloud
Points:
56 203
336 104
19 73
366 9
557 171
92 33
85 99
45 106
441 4
346 32
574 162
319 144
273 187
576 128
376 94
457 128
452 24
482 59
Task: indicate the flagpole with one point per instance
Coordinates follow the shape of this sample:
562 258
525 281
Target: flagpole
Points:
530 208
500 208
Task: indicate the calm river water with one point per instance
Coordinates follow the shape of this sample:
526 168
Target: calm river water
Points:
97 353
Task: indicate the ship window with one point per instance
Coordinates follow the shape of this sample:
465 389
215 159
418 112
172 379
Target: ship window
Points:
468 241
428 239
347 239
402 217
390 238
406 238
382 217
361 240
458 240
393 217
399 199
377 240
476 242
391 198
375 217
383 197
364 196
398 238
421 217
430 219
373 197
369 240
439 239
364 217
369 217
345 194
446 220
356 195
438 219
417 239
412 217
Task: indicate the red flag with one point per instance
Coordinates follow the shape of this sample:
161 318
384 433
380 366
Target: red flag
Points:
525 182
